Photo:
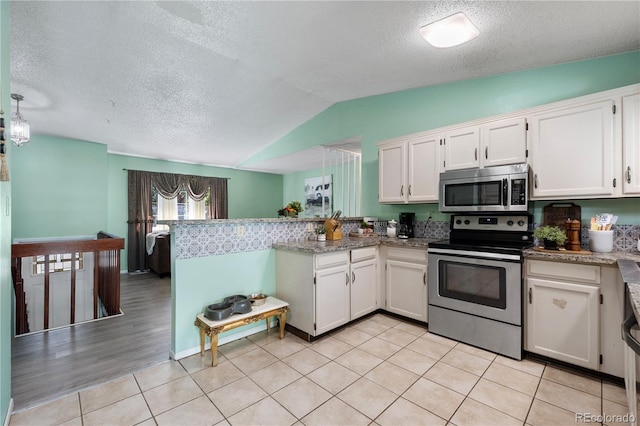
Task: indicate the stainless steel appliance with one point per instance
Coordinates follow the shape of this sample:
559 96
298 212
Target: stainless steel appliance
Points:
475 281
406 225
492 189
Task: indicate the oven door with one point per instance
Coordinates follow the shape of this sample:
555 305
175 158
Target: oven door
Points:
488 285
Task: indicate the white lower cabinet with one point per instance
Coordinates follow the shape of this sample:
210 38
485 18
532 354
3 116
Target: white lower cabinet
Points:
405 280
332 298
563 321
364 287
574 313
327 290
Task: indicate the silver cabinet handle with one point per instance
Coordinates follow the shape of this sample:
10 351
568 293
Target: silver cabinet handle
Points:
347 275
475 153
530 296
409 189
402 190
424 278
353 277
535 181
628 174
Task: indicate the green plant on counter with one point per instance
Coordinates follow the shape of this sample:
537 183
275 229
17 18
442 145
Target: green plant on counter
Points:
364 225
550 233
321 230
292 209
296 206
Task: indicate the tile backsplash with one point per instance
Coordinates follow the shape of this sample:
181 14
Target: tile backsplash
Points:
219 238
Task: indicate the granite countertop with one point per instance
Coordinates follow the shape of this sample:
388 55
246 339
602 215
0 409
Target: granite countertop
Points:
254 220
348 243
597 258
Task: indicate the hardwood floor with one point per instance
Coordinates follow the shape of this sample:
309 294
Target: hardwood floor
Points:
55 363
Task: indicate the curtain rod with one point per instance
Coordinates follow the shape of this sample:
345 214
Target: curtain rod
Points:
182 174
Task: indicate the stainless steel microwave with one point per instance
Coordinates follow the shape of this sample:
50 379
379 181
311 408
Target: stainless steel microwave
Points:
492 189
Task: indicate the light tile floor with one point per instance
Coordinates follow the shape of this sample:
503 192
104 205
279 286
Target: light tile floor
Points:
380 371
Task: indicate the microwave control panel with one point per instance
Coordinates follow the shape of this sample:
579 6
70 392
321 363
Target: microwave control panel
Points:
518 192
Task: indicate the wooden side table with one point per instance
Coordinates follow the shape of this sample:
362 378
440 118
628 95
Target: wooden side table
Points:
272 307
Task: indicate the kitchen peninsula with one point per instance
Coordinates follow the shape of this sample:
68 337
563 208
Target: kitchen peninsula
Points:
216 258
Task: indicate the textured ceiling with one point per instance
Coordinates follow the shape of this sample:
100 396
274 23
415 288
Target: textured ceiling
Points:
215 82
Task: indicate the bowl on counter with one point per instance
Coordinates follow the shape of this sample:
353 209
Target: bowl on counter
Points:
258 299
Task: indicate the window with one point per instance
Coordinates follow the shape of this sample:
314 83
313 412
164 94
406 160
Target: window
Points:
183 207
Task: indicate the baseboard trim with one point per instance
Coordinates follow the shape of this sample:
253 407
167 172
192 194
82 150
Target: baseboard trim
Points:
7 418
221 341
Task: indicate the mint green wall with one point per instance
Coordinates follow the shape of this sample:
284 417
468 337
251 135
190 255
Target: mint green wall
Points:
201 281
293 189
67 187
6 287
251 194
59 188
391 115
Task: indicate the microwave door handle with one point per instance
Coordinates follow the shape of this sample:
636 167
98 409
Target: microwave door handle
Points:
505 192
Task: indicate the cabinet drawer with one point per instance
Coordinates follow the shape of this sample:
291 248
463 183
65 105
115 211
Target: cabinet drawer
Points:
363 254
412 255
571 271
332 259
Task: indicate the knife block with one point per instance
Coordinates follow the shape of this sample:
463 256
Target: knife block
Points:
333 229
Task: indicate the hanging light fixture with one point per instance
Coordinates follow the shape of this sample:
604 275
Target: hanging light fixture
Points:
20 131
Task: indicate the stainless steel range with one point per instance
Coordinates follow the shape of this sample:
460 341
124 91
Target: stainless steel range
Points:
475 281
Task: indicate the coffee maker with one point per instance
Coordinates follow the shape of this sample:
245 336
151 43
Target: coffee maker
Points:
405 225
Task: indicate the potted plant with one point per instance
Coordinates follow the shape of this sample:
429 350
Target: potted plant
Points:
552 236
364 228
291 210
321 232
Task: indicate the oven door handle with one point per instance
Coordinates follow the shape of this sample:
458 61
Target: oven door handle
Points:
478 254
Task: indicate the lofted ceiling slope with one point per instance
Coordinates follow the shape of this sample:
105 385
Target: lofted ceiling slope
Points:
215 82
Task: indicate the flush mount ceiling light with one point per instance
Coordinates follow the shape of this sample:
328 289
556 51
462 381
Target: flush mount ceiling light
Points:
19 127
451 31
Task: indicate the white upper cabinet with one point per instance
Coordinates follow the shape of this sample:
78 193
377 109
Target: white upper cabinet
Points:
409 169
495 143
461 148
503 142
631 144
572 151
424 171
392 179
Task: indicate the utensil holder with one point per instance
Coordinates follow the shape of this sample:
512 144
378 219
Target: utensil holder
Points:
601 241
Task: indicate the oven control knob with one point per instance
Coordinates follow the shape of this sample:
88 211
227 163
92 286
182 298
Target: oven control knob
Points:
510 222
521 223
467 222
458 222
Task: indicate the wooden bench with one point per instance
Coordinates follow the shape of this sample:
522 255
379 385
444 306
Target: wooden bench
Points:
272 307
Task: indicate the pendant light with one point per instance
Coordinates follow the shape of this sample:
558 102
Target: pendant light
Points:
20 131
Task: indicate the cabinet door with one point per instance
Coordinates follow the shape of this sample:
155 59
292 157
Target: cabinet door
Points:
392 167
503 142
572 151
562 321
407 289
631 144
424 169
461 148
332 298
364 288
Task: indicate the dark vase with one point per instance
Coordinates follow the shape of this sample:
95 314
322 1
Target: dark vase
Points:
551 245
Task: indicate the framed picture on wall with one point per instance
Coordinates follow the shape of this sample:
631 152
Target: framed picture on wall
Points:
317 190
